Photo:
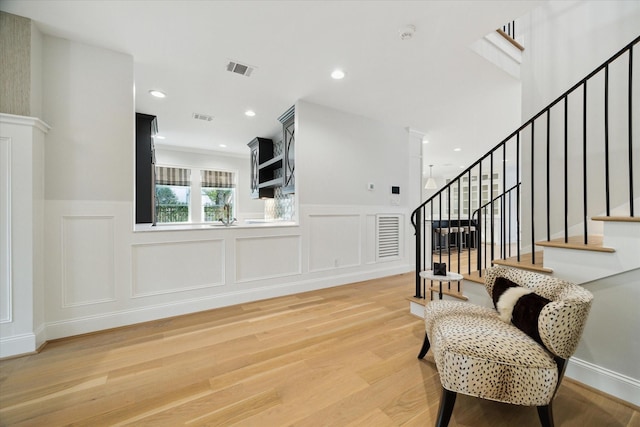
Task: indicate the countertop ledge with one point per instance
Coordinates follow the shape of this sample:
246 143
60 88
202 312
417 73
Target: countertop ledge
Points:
215 226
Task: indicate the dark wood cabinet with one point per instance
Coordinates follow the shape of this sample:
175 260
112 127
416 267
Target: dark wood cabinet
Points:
288 155
146 129
263 167
270 170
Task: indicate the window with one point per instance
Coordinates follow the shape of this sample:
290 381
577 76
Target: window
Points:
174 189
218 195
173 194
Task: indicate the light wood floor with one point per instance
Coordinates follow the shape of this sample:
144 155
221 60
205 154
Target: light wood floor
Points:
344 356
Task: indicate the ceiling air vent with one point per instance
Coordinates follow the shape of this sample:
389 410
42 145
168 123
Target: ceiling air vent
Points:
238 68
204 117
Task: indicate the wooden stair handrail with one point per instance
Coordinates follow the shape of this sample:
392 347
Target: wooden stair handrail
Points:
510 40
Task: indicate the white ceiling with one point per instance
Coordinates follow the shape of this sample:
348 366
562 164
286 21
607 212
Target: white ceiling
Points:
182 48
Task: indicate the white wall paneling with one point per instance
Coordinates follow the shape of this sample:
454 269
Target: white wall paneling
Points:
21 244
267 257
335 241
161 268
5 230
87 260
370 239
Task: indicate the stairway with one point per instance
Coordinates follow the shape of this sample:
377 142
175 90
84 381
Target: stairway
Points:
557 178
614 252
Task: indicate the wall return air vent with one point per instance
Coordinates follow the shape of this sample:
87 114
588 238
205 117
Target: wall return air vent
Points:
238 68
388 231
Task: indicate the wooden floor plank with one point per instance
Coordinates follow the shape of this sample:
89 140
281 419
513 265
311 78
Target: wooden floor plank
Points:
343 356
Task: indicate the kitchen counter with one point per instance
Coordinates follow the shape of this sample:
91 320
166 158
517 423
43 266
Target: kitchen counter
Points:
249 223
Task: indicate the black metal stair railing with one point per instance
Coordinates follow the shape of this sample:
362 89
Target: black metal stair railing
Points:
575 159
508 227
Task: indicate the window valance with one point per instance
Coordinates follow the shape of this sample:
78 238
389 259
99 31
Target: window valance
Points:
173 176
217 179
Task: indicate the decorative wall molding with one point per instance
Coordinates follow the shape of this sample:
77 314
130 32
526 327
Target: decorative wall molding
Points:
267 257
6 283
195 264
87 248
335 240
24 121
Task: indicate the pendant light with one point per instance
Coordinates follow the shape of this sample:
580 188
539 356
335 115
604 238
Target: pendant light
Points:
431 183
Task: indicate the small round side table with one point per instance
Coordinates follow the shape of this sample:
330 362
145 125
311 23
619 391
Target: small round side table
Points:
450 277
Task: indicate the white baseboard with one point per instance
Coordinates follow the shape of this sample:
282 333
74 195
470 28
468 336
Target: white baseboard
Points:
17 345
605 380
102 321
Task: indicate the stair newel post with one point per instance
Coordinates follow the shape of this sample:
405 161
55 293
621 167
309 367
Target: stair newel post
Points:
419 259
491 216
566 166
480 226
449 228
630 103
533 194
548 174
440 226
502 200
518 195
584 160
471 235
606 139
459 228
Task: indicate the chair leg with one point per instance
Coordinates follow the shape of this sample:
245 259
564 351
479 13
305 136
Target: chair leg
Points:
425 347
546 415
447 400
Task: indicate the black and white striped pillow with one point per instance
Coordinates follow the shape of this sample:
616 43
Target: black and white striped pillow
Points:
518 305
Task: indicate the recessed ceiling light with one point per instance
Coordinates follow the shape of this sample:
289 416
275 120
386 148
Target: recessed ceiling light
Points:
223 146
158 93
337 74
457 149
425 141
249 113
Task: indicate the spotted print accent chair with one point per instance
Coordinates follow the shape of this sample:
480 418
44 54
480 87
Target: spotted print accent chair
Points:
478 354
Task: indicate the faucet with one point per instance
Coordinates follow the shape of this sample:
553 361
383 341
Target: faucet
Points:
226 219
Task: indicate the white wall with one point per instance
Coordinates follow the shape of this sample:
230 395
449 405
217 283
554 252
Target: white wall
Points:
88 101
565 41
607 356
340 153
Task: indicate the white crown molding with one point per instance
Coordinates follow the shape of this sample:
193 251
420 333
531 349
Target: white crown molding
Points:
34 122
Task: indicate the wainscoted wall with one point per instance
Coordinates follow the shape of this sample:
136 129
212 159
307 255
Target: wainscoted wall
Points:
173 267
5 230
100 274
267 257
87 249
21 233
338 241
